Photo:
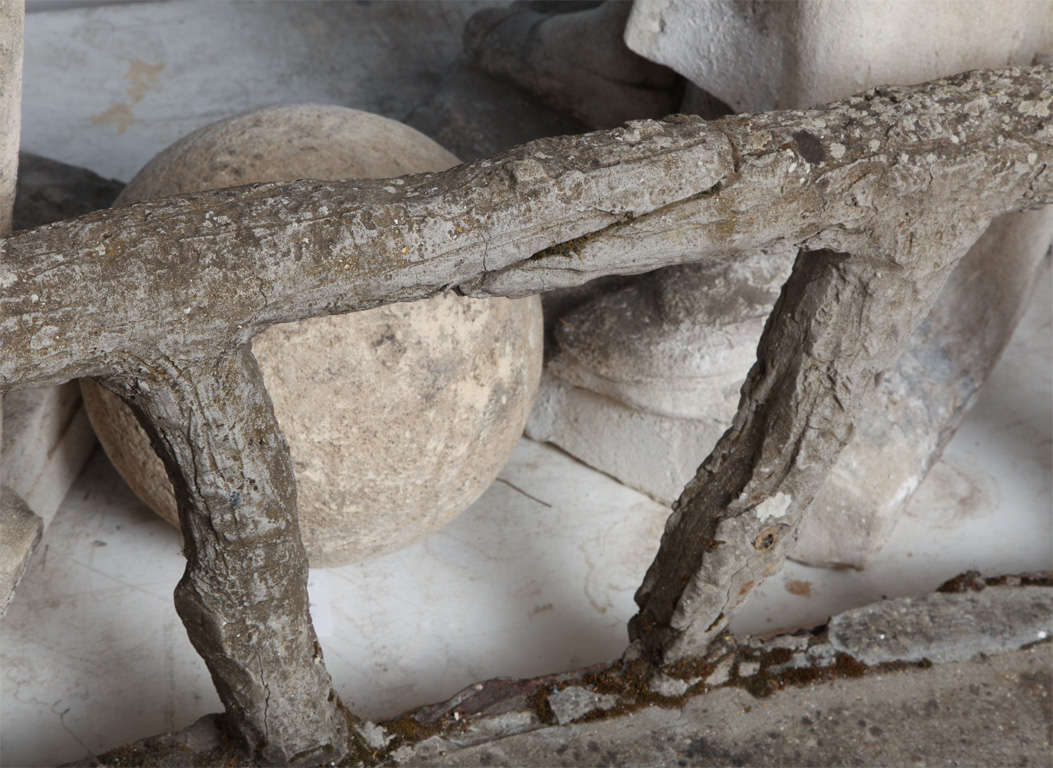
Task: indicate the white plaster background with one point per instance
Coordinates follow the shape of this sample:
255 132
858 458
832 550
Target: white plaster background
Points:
108 87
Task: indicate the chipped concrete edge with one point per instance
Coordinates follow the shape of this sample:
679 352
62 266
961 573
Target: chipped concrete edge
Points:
21 531
897 635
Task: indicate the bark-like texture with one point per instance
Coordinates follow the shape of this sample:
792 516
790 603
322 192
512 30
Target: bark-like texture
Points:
243 597
183 275
881 194
855 296
840 322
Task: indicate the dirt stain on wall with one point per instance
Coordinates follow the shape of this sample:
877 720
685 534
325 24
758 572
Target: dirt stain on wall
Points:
142 78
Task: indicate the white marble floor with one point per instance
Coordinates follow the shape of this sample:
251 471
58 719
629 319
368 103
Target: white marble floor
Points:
536 577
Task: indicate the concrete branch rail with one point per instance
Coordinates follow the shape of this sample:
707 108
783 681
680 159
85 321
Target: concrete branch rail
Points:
881 194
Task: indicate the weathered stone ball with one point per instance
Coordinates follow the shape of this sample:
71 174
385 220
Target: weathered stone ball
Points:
397 418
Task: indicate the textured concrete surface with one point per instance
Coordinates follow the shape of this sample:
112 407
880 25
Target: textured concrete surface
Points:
21 530
995 712
789 699
945 627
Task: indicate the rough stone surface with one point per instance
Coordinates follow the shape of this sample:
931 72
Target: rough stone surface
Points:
243 596
46 442
790 699
572 702
994 712
862 281
945 627
653 175
722 672
670 687
21 530
376 737
398 417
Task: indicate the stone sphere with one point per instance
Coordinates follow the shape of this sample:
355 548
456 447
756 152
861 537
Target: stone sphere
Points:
398 417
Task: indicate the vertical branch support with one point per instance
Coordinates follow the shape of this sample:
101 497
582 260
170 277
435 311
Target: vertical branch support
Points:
243 597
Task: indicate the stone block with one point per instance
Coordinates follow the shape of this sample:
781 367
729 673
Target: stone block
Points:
46 441
572 702
21 531
945 627
652 453
801 53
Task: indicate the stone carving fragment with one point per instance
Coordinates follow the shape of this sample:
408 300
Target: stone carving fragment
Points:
758 56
